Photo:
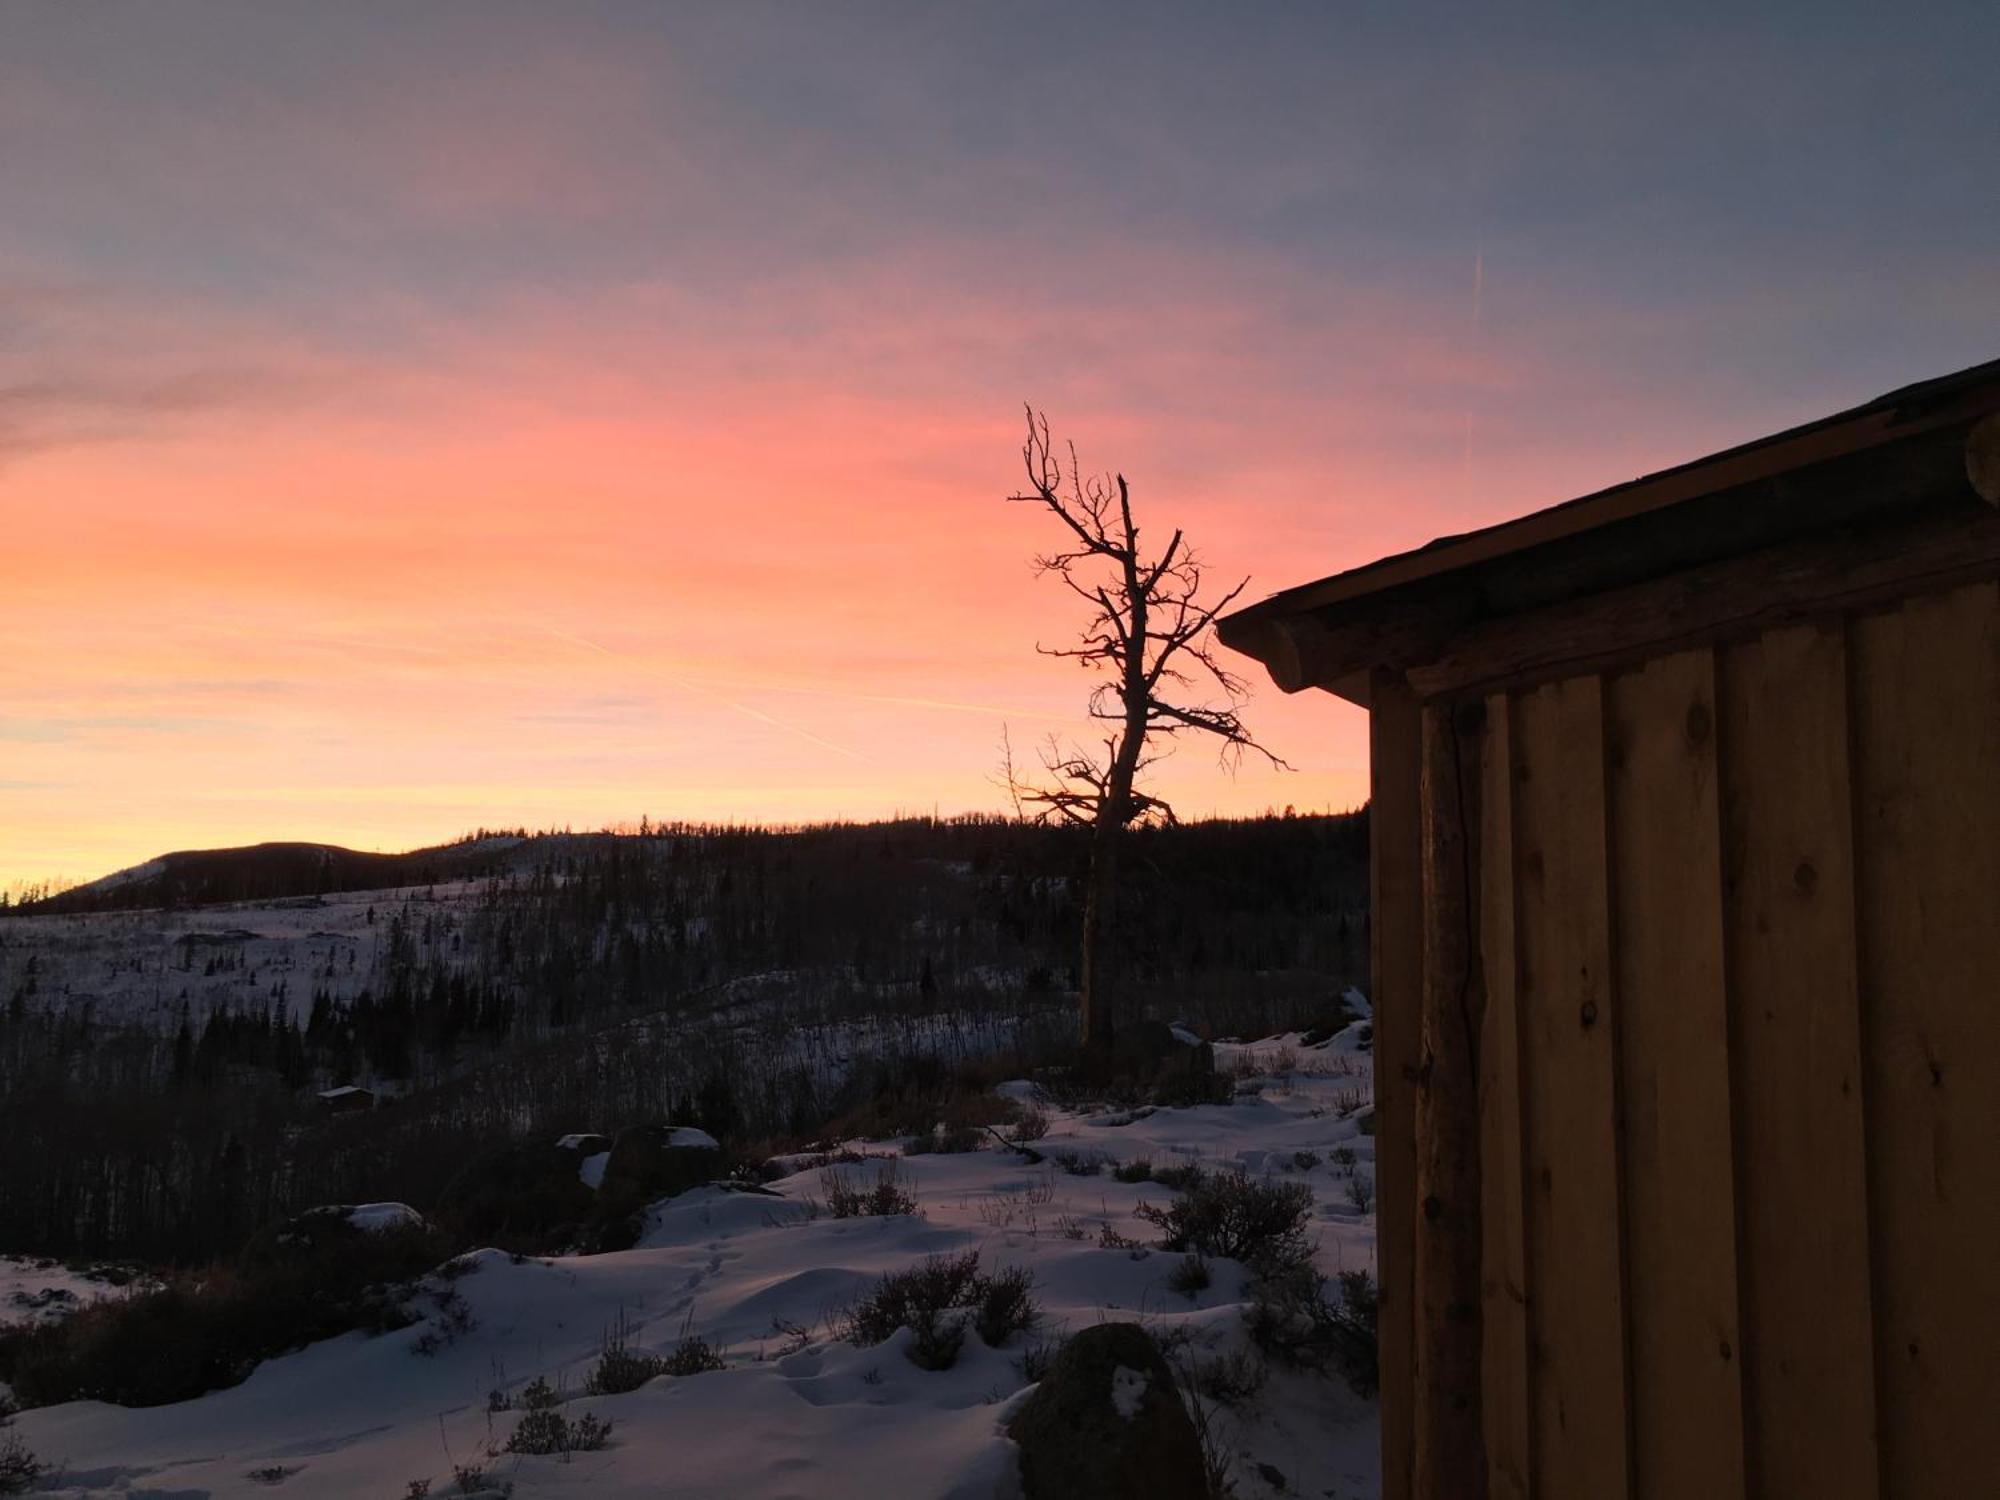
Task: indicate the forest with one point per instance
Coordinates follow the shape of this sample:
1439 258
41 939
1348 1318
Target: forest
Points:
751 981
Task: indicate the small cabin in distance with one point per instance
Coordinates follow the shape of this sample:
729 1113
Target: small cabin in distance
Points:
347 1099
1686 878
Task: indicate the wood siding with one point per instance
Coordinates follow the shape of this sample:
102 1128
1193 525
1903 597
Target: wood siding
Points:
1739 1069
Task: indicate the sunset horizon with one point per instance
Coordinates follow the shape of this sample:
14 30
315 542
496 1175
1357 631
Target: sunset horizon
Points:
415 421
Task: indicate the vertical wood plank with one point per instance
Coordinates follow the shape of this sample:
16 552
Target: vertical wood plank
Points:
1673 1080
1396 891
1926 686
1564 989
1448 1435
1503 1260
1795 1048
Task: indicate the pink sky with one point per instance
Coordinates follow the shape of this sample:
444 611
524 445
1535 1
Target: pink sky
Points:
388 449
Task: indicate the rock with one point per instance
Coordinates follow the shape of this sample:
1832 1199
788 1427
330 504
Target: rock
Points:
663 1161
1107 1423
1157 1055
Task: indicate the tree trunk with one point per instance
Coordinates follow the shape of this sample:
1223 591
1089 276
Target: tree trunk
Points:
1097 976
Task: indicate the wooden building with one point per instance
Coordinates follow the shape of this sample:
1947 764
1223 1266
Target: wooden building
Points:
1686 832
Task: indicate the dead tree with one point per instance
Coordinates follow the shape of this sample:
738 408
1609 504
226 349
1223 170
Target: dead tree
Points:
1148 641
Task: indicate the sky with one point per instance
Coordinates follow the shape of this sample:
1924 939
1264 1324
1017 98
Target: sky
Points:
423 417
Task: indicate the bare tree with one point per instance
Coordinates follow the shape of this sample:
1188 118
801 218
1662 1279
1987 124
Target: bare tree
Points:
1148 642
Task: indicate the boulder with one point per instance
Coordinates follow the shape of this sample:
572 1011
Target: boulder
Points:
1107 1423
1154 1053
660 1161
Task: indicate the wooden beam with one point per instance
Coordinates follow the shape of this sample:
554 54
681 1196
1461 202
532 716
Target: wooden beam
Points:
1926 705
1503 1268
1449 1435
1673 1081
1396 877
1982 459
1724 601
1783 456
1569 1020
1795 1048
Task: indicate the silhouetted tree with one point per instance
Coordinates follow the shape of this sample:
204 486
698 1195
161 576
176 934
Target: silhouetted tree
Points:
1148 641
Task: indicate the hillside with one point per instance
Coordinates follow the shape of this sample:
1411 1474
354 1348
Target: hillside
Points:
159 1063
802 1403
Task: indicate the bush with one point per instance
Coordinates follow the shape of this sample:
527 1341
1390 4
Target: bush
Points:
1292 1318
693 1355
295 1284
1178 1179
1233 1215
1137 1170
1032 1125
1190 1277
938 1299
887 1197
946 1140
620 1367
1078 1163
544 1429
1234 1378
19 1469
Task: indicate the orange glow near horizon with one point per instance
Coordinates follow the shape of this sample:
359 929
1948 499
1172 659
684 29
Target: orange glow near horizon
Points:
501 419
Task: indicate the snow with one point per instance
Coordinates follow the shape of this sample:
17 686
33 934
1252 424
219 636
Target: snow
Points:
1128 1390
764 1275
36 1290
375 1218
688 1136
591 1169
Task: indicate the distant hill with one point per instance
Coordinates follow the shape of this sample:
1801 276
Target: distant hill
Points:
276 871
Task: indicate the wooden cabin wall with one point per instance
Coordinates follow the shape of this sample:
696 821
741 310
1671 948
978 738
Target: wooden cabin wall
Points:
1740 1070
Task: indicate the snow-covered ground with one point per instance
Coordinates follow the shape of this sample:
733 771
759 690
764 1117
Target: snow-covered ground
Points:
138 966
33 1290
798 1411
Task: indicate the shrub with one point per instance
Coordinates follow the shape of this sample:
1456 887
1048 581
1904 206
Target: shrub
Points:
1305 1161
937 1299
1178 1179
620 1367
1358 1194
1234 1378
1006 1306
19 1469
1343 1157
887 1197
1032 1125
1190 1277
1137 1170
1078 1163
294 1285
1233 1215
946 1140
1183 1090
544 1429
1293 1318
693 1355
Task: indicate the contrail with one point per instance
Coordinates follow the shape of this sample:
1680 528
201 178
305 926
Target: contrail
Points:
1478 293
694 687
